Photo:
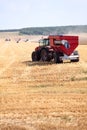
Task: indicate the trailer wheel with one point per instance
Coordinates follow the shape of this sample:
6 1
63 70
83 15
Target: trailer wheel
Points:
44 55
77 60
35 56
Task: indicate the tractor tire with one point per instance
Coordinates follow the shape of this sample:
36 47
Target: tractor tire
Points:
56 57
35 56
38 55
44 55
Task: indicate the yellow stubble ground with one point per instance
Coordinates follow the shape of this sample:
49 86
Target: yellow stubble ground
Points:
41 96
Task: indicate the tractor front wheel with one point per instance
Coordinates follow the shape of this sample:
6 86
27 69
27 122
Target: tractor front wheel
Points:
35 56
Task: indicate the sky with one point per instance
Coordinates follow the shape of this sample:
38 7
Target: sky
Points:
16 14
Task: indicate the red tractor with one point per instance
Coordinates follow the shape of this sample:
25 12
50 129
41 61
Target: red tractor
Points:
57 48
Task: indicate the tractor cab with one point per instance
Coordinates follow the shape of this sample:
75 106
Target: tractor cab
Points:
44 42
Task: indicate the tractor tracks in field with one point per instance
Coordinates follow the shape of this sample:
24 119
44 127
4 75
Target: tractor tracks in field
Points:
16 123
11 66
23 76
8 59
7 66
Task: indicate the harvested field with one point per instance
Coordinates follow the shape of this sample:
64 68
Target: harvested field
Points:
41 96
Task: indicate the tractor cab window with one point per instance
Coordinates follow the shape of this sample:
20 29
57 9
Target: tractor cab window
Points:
57 42
44 42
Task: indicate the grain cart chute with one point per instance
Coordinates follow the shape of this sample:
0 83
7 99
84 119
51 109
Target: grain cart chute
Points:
57 48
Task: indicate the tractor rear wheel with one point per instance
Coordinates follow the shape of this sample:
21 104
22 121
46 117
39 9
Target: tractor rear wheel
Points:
44 55
56 57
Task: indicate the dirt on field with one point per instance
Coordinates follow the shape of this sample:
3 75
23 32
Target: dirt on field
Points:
40 96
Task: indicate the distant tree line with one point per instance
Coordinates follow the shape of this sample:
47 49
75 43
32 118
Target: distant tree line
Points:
50 30
10 30
54 30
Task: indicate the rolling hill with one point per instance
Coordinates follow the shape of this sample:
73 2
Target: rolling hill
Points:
50 30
